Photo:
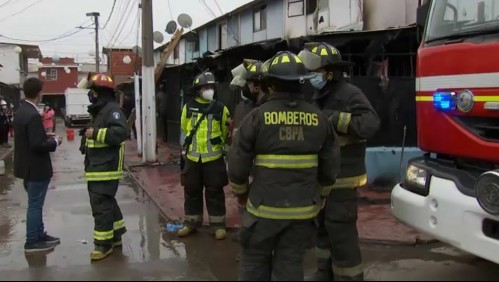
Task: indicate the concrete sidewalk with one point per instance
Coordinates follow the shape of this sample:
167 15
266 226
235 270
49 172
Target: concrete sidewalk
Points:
162 184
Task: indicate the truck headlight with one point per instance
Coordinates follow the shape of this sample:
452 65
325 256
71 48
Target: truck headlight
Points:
416 175
417 180
487 192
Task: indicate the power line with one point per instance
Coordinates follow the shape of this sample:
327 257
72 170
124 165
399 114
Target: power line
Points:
5 4
170 8
216 2
113 40
124 24
110 15
21 11
45 40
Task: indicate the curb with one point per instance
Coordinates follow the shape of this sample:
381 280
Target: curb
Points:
387 242
6 154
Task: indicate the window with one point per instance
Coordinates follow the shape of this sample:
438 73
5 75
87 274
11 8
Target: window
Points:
459 19
175 53
311 6
260 19
296 8
51 74
222 30
192 46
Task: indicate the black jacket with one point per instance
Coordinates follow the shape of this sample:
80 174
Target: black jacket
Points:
32 147
291 147
355 120
104 157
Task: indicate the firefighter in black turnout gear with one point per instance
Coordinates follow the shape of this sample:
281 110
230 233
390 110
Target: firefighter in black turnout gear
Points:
289 147
104 149
354 120
249 77
204 122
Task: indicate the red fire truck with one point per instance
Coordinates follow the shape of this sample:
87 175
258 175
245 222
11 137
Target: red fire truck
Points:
452 192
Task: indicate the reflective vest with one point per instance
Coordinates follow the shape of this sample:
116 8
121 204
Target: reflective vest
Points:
104 162
209 141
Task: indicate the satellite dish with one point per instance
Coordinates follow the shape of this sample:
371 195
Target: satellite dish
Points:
158 37
184 20
56 58
137 50
127 60
171 27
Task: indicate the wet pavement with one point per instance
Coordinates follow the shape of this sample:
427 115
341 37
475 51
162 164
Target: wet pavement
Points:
151 253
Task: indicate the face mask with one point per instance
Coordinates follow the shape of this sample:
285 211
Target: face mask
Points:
208 94
243 97
91 97
317 81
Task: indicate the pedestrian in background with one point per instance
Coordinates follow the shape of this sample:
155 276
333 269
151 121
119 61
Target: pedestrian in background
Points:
5 124
48 118
32 164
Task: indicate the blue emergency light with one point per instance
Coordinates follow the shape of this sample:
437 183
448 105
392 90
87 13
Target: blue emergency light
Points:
444 101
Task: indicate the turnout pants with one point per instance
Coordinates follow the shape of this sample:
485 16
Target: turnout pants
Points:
210 178
109 223
274 250
338 239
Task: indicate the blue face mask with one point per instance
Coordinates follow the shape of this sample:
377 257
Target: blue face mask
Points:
317 81
91 97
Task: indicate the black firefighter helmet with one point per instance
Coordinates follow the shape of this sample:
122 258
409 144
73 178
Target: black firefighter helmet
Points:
317 55
286 66
203 79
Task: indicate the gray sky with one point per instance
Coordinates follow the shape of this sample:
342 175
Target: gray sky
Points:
48 19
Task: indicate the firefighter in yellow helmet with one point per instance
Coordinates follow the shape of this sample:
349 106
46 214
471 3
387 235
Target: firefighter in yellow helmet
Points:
104 158
204 122
354 120
289 147
249 78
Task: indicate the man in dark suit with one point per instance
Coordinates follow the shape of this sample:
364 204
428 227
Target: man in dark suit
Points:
32 163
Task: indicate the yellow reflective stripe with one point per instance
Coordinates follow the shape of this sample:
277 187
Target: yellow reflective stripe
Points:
101 135
322 253
424 98
287 161
120 224
103 235
344 122
103 176
216 219
326 190
348 271
239 188
351 182
122 157
94 144
298 213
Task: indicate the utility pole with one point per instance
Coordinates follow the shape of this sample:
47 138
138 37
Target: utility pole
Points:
96 15
148 84
138 96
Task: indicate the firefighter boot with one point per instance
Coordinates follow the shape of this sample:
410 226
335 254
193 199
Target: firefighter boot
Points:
117 242
101 252
220 234
324 271
186 231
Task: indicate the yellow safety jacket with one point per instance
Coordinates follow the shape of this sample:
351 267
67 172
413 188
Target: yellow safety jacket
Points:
209 141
